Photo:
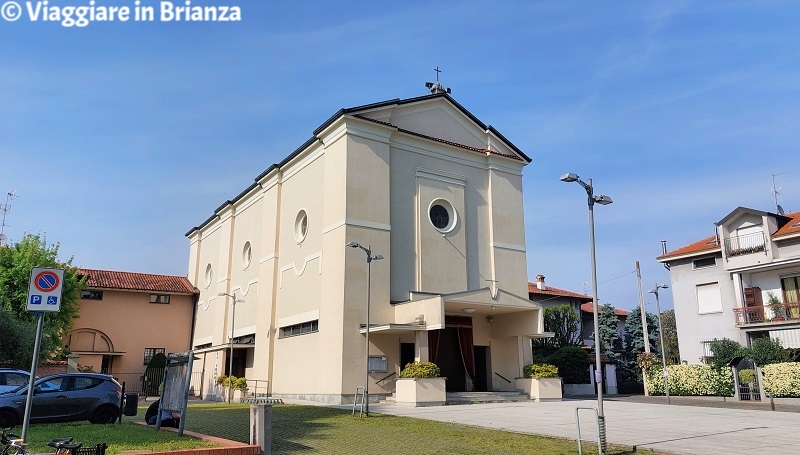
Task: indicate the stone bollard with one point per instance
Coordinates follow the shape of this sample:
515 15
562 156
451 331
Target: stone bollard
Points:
261 427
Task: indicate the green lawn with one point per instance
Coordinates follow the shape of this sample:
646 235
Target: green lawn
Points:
310 429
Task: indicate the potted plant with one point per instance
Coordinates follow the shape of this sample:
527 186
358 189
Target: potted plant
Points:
420 384
776 306
540 382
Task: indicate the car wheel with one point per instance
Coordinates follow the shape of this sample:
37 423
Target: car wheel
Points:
7 418
105 414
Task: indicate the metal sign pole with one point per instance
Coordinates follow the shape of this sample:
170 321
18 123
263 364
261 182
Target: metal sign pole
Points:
34 363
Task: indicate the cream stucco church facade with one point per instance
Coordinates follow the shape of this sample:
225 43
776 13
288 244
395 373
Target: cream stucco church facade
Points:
427 186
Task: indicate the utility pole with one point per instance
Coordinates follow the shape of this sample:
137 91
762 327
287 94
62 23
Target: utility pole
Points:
645 335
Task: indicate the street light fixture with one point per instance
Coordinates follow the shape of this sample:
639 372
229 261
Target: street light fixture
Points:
598 374
661 336
370 258
234 301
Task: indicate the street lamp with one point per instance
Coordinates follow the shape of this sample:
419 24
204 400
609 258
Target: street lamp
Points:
234 301
598 374
661 336
370 258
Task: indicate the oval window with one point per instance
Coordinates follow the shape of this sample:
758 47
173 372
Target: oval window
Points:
247 255
301 226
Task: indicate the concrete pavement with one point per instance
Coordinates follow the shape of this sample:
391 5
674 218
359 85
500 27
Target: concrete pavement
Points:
677 429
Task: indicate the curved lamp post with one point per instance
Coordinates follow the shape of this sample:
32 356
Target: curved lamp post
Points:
370 258
661 336
234 301
598 374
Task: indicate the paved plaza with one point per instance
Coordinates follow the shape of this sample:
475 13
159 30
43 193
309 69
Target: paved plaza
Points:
678 429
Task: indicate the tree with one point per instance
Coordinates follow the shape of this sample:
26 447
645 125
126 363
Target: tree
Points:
564 323
610 340
634 334
670 328
16 262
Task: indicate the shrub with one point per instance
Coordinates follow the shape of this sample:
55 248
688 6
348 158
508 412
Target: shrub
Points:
691 380
540 370
724 351
226 381
648 361
792 354
572 363
240 383
782 379
421 370
747 376
766 351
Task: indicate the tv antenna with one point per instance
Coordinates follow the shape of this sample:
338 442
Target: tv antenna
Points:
5 208
776 191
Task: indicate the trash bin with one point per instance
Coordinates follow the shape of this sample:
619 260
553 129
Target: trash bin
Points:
131 404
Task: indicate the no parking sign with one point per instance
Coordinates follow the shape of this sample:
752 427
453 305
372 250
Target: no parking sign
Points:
44 289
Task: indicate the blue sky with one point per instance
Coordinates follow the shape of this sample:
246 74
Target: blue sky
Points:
120 137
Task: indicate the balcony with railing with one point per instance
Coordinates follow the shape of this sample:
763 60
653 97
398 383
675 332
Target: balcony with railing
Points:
768 314
745 244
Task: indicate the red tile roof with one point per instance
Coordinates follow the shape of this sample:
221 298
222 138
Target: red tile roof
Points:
589 308
109 279
792 227
556 292
707 244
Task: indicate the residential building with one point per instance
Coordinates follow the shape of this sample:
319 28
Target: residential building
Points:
581 304
741 283
125 318
435 194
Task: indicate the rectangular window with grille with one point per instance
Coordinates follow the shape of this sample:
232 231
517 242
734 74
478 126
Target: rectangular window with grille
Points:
159 298
149 353
299 329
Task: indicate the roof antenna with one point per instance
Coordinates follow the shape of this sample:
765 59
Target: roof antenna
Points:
776 191
437 87
5 208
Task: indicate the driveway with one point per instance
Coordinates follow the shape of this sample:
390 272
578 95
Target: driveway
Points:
677 429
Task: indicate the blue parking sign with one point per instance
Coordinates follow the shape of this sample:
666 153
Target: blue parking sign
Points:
36 299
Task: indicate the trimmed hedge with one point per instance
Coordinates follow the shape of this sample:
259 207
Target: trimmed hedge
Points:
782 379
691 380
421 370
540 370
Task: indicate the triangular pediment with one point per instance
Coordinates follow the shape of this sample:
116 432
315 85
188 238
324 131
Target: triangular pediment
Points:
440 118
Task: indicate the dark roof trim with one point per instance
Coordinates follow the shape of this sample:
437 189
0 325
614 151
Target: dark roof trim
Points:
741 209
354 110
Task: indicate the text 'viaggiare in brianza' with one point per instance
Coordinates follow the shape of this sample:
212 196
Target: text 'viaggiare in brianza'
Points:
79 14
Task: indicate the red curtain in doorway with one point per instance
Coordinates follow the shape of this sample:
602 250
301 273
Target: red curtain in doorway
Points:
467 350
433 345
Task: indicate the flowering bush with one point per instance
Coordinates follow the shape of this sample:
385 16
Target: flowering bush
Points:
648 361
691 380
540 370
782 379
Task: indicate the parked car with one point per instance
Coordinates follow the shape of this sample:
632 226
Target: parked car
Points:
13 379
64 398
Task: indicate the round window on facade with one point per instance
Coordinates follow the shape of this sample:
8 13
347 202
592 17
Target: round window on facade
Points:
247 255
442 215
301 226
209 275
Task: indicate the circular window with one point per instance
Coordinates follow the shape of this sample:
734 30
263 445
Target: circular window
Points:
247 255
301 226
442 215
209 275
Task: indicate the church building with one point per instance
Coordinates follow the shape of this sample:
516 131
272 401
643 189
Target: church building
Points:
287 286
